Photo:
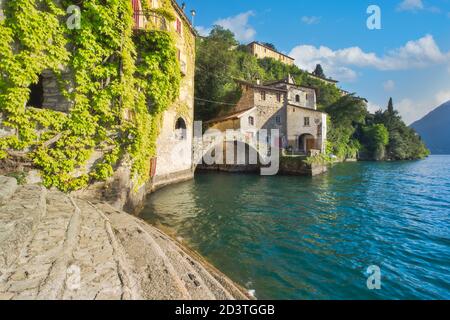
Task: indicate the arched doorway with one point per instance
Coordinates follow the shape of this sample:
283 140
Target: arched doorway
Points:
306 142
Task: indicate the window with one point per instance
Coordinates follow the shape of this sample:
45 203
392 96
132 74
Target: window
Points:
278 119
279 97
263 95
36 94
251 121
306 121
180 129
307 96
178 26
297 98
179 54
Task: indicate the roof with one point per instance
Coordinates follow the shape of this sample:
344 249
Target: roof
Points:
230 116
285 81
269 48
321 78
183 16
309 109
258 86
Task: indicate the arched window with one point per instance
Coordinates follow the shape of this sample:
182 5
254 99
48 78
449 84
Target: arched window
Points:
297 98
251 121
180 129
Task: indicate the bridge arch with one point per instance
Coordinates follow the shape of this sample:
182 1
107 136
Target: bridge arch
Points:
229 155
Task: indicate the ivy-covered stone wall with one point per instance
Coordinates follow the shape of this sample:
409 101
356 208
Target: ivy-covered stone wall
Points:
121 83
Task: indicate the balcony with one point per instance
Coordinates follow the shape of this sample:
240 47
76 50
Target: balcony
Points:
149 21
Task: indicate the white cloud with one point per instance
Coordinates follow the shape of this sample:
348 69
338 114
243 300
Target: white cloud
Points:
239 26
311 20
203 31
389 85
373 107
337 63
410 5
442 97
413 110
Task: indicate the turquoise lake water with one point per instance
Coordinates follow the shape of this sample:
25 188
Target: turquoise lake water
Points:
314 238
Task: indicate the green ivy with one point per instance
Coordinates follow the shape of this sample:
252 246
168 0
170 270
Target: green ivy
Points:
123 82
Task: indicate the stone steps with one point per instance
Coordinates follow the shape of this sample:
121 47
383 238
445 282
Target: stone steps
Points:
53 246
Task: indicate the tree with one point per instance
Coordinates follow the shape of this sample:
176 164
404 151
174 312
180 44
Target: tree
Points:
270 45
215 73
404 143
318 72
376 138
390 107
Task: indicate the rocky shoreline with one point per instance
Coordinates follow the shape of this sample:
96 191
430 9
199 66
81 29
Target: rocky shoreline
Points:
59 246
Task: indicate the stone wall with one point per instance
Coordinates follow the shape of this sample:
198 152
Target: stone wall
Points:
175 155
296 126
5 131
297 166
53 97
247 99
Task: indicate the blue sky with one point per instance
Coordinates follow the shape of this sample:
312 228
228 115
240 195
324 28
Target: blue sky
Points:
408 59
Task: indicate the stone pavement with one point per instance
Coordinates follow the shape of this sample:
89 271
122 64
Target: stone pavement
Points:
55 246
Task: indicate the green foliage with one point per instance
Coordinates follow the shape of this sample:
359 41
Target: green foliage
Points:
404 142
319 71
346 115
320 159
375 138
113 76
20 176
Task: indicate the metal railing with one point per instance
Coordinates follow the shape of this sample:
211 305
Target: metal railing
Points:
149 20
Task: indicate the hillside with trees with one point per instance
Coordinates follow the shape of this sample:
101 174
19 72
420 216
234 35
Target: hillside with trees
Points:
352 131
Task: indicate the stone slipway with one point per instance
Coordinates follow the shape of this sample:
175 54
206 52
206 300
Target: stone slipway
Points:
55 246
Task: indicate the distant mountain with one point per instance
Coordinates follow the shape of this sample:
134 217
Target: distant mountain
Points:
434 129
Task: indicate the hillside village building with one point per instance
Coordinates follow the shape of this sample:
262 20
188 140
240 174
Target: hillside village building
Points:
262 51
282 105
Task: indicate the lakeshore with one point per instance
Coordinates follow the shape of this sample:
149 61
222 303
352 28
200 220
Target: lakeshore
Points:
57 246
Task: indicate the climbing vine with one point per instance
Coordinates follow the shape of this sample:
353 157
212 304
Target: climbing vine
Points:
122 83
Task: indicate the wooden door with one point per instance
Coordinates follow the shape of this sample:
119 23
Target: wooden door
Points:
310 144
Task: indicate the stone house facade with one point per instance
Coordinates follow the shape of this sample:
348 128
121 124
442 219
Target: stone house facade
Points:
174 159
262 51
281 105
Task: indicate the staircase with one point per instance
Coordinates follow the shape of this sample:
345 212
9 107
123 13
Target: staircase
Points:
55 246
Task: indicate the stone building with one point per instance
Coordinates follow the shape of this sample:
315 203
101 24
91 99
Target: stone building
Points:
173 161
282 105
174 145
262 51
